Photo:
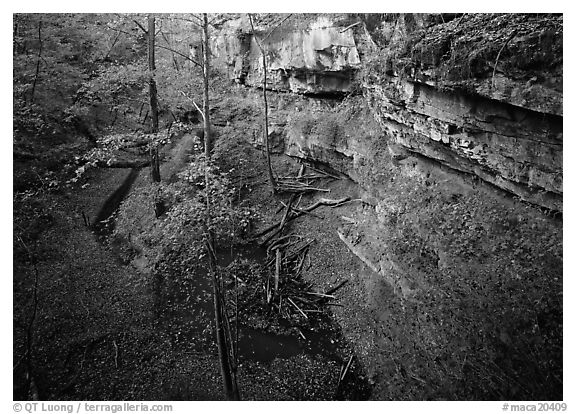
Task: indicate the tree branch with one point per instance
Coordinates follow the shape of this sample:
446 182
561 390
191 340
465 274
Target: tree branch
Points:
195 23
120 31
350 27
179 54
194 103
113 44
254 33
276 27
123 163
140 26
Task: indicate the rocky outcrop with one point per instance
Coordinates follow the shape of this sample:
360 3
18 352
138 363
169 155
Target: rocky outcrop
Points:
480 94
317 57
511 147
512 58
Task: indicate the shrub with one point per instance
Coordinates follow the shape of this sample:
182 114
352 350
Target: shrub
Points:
193 209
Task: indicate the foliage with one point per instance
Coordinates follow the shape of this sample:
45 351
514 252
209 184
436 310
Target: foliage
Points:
192 209
210 208
88 71
117 87
488 311
53 55
81 80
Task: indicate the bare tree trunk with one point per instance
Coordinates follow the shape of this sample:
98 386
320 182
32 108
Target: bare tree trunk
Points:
206 65
265 137
152 68
154 159
266 141
37 74
174 60
223 336
222 339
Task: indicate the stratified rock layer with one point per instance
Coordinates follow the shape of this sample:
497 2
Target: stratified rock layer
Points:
480 94
516 149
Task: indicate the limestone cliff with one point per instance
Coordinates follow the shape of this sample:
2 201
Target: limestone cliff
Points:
511 147
315 56
513 58
480 94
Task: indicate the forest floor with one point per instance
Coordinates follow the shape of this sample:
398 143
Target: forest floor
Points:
484 323
94 335
101 329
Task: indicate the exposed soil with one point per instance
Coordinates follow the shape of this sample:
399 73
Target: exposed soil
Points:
425 284
105 331
481 318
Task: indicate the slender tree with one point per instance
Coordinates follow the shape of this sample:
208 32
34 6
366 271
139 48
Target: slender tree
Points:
206 74
264 86
154 159
37 74
223 335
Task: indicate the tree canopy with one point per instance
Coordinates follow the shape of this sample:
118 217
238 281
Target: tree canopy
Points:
86 72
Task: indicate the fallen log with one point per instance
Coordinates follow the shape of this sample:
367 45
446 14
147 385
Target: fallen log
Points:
323 295
301 177
301 334
296 209
135 144
277 274
326 202
347 367
334 289
282 223
301 263
300 188
277 244
321 202
304 300
301 170
296 306
299 199
335 304
279 209
298 251
324 172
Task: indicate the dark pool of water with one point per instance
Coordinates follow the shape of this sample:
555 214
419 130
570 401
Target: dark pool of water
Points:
183 305
187 303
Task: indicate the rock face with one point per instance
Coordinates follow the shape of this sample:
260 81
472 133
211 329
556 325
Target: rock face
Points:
318 58
511 147
455 111
479 94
